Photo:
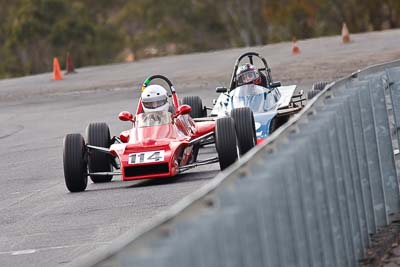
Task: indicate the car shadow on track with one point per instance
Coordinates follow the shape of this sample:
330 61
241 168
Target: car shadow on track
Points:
181 178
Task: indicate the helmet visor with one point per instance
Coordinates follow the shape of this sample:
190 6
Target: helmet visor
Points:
155 104
247 77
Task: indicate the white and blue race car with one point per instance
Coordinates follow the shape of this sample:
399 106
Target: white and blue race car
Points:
271 103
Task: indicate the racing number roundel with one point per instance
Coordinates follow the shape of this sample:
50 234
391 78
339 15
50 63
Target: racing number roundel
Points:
146 157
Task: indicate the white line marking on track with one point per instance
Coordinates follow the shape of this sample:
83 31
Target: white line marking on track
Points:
31 251
23 252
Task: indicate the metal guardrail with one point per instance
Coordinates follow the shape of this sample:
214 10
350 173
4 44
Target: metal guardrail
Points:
310 196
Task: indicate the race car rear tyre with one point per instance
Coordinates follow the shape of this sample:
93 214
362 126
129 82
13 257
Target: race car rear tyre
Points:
245 128
75 166
196 104
319 86
98 134
311 94
225 142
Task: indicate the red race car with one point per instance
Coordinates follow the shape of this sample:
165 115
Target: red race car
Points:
161 143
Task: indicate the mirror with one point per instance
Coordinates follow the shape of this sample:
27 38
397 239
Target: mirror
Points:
183 109
221 89
125 116
276 84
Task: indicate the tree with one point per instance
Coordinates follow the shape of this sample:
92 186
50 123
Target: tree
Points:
32 32
41 29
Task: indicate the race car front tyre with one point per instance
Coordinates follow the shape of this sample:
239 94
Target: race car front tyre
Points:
319 86
196 104
245 128
225 142
98 134
75 166
311 94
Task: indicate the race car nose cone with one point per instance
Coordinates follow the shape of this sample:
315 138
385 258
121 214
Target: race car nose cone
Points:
149 142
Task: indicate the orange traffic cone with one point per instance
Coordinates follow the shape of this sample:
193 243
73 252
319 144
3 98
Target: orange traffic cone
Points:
56 70
345 34
295 47
70 64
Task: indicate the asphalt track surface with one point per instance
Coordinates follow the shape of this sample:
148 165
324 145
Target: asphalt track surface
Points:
41 224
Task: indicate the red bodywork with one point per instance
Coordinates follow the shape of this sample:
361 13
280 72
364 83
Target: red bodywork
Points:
172 140
260 140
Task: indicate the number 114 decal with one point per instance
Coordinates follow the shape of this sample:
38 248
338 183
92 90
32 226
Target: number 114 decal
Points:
145 157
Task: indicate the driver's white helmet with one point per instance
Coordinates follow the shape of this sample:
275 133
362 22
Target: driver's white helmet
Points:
155 98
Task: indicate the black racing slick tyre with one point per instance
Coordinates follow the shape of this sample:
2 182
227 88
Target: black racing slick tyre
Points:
311 94
75 167
98 134
196 104
245 128
319 86
225 142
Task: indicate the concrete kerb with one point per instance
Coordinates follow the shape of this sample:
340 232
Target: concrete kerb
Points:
198 195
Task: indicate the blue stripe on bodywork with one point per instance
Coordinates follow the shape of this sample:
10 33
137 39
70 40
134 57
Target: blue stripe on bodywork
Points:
263 120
